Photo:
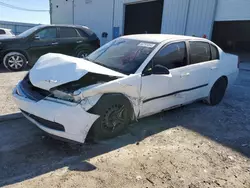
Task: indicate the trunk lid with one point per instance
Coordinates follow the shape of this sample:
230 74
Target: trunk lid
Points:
53 70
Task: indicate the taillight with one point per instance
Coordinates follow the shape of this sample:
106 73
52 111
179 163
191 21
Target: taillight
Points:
98 43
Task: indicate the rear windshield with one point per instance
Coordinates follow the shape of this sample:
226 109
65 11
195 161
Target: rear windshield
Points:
123 55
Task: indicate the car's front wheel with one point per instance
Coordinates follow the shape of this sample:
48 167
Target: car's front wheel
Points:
14 61
115 115
217 92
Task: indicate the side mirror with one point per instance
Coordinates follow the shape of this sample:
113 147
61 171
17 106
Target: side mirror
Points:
36 38
159 69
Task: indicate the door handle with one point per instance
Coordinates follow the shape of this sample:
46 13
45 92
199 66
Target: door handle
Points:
78 42
213 68
185 74
54 43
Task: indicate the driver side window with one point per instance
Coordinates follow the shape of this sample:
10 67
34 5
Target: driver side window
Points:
172 56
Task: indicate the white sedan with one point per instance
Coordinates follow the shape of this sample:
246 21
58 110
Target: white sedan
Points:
128 78
6 33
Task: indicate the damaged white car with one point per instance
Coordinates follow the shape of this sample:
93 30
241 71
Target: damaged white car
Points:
128 78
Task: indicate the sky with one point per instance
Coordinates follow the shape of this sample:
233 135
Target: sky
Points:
9 14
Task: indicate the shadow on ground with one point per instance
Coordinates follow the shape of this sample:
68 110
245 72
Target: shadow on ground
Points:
26 153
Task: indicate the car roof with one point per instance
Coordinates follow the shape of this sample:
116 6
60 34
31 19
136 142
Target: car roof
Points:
158 38
63 25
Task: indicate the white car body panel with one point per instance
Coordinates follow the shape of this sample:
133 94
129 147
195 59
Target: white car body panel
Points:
148 94
63 113
52 70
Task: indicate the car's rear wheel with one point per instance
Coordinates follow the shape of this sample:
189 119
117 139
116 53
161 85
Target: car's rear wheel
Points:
15 61
82 53
115 115
217 92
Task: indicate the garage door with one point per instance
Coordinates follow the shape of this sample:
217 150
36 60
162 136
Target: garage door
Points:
143 17
232 36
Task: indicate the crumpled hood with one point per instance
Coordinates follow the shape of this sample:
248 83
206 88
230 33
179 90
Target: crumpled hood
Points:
53 70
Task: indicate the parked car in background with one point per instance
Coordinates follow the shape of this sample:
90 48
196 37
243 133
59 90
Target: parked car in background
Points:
5 33
126 79
26 48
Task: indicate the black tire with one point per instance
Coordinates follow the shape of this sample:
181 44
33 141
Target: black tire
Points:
217 92
82 53
15 61
115 115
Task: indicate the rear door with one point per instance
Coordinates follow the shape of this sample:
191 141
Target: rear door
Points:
42 42
198 70
69 40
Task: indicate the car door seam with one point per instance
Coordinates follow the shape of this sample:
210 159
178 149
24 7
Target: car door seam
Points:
174 93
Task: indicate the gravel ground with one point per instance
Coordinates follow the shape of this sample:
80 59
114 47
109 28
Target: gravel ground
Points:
196 146
8 80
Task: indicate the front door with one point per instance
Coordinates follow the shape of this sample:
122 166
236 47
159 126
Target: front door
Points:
44 41
162 91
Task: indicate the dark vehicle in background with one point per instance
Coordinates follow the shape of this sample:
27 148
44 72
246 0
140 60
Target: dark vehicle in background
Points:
26 48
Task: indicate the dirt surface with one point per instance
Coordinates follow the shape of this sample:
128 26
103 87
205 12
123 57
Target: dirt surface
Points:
8 80
196 146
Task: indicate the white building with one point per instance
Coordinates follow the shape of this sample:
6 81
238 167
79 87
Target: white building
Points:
227 22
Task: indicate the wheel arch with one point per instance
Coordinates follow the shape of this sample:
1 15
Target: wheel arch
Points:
117 95
26 55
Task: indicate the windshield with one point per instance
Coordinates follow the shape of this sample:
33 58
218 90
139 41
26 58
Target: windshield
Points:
122 55
29 31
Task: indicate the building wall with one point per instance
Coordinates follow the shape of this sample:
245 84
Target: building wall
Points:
97 15
62 11
16 27
188 17
231 10
200 17
174 16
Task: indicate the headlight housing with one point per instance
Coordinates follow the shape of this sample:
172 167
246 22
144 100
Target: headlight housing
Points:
72 97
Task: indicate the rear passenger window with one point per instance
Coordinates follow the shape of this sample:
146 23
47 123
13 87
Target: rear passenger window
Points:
172 56
66 32
214 52
199 52
83 33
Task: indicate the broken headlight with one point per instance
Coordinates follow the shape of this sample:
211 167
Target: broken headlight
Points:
72 97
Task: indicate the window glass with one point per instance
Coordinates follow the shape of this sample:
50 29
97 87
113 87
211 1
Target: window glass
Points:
199 52
82 33
2 32
46 34
123 55
172 56
66 32
214 52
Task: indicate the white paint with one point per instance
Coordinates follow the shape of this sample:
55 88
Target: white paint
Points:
136 87
75 120
7 33
52 70
232 10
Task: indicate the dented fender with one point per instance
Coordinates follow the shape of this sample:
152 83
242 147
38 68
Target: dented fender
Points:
129 86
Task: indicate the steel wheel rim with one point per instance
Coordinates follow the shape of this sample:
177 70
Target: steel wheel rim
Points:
15 62
114 118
